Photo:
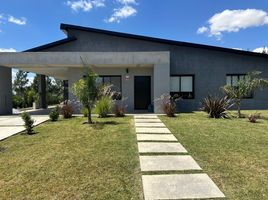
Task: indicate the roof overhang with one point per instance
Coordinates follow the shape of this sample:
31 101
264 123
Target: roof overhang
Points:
56 64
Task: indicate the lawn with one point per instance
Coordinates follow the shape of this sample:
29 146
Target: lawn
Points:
233 152
69 160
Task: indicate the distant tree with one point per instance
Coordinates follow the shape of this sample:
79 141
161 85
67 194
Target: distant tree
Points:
20 88
244 88
20 82
34 84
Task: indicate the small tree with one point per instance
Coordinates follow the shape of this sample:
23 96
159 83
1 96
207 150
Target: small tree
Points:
245 87
87 91
28 122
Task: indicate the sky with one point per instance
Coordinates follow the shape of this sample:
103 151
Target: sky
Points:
239 24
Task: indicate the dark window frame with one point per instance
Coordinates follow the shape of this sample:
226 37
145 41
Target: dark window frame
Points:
183 94
251 96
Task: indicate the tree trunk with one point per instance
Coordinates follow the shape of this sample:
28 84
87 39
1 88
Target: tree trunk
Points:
239 109
89 119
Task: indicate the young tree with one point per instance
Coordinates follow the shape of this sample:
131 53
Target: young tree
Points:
87 91
244 88
20 89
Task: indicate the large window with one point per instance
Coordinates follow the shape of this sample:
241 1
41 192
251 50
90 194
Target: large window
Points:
115 81
232 80
183 85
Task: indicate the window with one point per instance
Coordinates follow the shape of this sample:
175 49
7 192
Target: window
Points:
115 81
232 80
183 85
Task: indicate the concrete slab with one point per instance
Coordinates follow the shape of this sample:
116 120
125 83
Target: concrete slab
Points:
147 120
168 163
145 116
150 125
179 186
6 132
160 147
152 130
13 124
17 121
156 137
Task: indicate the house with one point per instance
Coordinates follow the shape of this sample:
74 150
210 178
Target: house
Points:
140 68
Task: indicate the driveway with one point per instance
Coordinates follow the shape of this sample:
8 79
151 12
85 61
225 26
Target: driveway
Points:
13 124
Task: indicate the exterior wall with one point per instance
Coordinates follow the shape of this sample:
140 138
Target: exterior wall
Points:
127 85
5 91
209 66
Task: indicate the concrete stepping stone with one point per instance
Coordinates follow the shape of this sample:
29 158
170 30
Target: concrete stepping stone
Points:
152 130
149 125
168 163
145 117
156 137
179 186
156 120
160 147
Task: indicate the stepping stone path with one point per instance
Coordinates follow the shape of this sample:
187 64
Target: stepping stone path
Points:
169 179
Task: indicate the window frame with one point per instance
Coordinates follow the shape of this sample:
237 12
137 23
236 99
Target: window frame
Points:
179 92
251 96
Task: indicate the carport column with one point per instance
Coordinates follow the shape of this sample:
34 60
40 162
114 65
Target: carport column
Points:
161 83
5 91
42 91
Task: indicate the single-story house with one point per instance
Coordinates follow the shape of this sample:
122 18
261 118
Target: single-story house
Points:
140 68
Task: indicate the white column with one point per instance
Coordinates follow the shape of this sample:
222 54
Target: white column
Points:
161 83
5 91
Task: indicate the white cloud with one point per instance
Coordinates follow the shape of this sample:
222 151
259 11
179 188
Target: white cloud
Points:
7 50
126 2
18 21
202 29
122 13
85 5
261 50
233 21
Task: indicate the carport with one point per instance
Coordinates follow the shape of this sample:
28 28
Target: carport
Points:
70 66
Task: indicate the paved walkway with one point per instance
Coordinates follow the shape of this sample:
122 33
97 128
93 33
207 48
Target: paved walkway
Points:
167 161
13 124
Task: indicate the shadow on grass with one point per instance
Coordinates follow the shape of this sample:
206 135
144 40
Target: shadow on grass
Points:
32 134
100 125
2 149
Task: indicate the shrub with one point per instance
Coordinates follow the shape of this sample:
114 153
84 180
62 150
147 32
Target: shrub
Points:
84 111
28 122
67 110
120 108
254 117
104 106
54 114
216 107
168 104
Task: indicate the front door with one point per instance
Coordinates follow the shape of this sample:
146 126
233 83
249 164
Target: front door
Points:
142 92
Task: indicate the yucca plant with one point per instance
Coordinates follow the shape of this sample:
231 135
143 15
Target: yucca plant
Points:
216 107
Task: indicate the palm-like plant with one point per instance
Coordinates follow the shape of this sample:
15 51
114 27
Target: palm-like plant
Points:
244 88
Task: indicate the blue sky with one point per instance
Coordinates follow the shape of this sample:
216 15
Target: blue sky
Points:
241 24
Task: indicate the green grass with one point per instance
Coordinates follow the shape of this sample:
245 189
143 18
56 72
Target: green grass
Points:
69 160
233 151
